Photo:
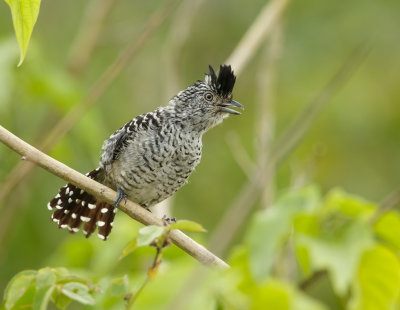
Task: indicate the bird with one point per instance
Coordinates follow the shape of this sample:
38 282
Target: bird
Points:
150 157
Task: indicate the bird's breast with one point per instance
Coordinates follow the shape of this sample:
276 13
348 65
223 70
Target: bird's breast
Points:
156 168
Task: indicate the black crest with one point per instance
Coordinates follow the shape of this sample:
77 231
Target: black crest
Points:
223 84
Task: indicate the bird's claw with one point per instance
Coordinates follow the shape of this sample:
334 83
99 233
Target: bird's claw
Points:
168 220
121 195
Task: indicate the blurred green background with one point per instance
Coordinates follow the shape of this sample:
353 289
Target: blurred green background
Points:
353 143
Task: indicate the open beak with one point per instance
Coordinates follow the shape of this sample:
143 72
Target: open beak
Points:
224 107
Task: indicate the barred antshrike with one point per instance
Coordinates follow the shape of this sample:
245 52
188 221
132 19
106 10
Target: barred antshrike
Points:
150 157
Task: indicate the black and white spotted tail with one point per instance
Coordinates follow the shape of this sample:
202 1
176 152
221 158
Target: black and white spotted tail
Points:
73 208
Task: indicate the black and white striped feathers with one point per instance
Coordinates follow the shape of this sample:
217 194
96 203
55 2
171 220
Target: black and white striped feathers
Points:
150 157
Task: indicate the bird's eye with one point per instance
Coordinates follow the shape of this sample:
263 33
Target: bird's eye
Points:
208 96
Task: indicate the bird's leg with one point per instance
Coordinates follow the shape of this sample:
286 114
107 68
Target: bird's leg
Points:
121 195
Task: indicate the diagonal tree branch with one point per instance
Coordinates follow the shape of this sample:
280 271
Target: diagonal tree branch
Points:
104 193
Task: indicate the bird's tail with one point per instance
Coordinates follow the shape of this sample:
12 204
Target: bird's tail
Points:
73 206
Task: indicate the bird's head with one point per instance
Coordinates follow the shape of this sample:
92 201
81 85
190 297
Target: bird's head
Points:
206 103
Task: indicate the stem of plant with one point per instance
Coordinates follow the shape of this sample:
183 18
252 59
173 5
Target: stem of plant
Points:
150 274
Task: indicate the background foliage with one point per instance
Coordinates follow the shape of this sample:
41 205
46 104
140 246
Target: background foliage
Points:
305 246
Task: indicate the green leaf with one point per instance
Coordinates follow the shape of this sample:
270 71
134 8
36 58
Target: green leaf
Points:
349 205
78 292
148 234
303 200
302 301
307 224
378 282
42 297
129 248
273 295
24 15
266 233
61 272
341 255
119 286
17 287
45 277
388 228
60 300
303 258
45 280
277 295
187 226
269 228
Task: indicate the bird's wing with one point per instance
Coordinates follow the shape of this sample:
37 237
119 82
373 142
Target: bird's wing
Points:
113 146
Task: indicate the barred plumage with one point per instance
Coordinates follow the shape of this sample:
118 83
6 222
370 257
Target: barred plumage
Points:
150 157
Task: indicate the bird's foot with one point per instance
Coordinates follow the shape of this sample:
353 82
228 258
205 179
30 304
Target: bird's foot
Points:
168 220
121 195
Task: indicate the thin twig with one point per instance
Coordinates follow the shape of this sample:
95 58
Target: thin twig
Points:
302 123
250 192
109 76
264 129
178 34
150 274
20 171
263 25
256 34
237 213
387 204
240 154
133 297
104 193
314 278
89 33
265 109
302 175
191 285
